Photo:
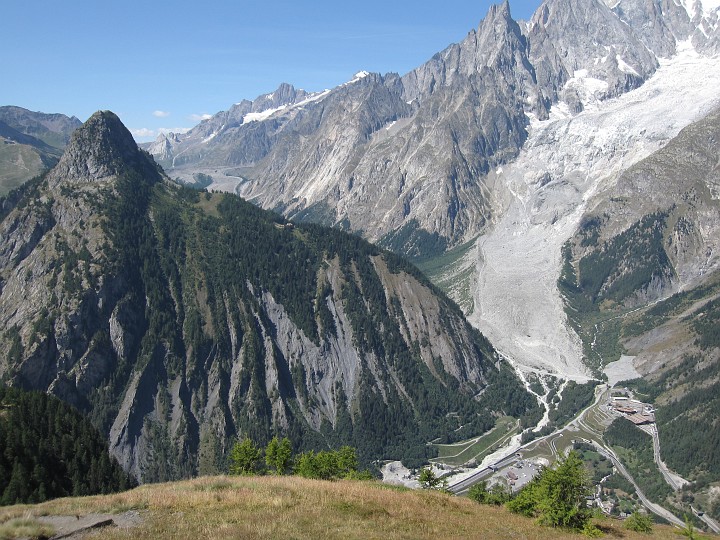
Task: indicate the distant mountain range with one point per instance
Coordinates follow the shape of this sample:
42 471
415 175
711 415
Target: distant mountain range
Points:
411 160
30 143
558 177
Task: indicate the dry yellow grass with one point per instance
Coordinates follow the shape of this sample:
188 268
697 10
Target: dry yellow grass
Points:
295 508
24 527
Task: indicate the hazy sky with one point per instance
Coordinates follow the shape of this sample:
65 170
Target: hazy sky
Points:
163 65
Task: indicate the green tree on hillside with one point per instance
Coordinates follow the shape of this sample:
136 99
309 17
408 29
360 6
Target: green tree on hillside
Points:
558 495
245 457
278 455
329 465
347 461
639 523
497 495
688 531
429 480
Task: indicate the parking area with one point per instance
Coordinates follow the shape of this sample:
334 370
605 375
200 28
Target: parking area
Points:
518 474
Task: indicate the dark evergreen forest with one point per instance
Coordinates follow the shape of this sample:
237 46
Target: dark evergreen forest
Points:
48 450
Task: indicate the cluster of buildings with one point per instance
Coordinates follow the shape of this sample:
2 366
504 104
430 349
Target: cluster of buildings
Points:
637 412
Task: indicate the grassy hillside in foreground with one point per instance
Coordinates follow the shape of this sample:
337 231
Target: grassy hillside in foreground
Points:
291 507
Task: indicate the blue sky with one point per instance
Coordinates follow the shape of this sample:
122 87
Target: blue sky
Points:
163 65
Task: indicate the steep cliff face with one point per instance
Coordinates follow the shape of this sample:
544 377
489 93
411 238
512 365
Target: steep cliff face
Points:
411 161
498 45
178 320
588 43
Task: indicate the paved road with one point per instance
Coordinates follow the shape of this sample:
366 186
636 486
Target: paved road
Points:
462 487
610 454
654 508
710 522
674 480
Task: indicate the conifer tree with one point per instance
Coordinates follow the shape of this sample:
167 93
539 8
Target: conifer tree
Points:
278 455
245 457
557 495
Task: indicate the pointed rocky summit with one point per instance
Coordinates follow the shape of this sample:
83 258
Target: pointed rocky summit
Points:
100 149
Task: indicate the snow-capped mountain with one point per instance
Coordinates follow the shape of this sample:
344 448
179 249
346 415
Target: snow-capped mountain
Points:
408 160
507 136
572 167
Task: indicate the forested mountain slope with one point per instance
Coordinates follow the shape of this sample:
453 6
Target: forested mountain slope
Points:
178 320
641 278
48 450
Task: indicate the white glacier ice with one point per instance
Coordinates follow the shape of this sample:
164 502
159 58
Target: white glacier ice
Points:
565 161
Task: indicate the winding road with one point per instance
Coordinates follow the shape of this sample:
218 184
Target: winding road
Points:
580 422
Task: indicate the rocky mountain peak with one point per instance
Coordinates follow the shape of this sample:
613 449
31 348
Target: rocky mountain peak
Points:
101 148
497 43
574 43
498 25
285 94
501 10
162 146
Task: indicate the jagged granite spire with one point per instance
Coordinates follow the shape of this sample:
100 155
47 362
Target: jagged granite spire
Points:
580 39
101 148
646 18
497 43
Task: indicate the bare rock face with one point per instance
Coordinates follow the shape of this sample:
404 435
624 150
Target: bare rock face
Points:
409 161
647 19
585 39
680 182
498 46
161 148
102 149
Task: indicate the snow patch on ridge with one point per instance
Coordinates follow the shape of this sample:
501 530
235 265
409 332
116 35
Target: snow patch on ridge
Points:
705 8
263 115
625 67
588 89
710 6
313 97
212 135
360 75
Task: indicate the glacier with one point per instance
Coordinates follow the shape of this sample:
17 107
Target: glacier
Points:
566 162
